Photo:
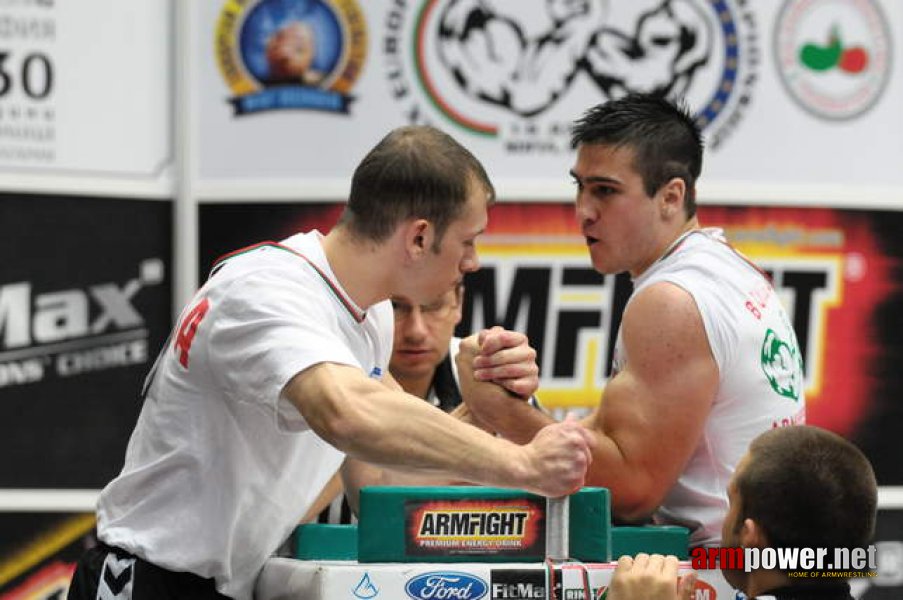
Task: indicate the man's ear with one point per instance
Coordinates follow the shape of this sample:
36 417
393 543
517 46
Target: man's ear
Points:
674 198
418 237
752 535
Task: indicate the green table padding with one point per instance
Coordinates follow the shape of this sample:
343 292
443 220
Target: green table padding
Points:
651 539
319 541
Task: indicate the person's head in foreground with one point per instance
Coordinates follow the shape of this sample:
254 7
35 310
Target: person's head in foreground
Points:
798 487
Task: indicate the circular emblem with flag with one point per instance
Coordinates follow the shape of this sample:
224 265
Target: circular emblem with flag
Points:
833 56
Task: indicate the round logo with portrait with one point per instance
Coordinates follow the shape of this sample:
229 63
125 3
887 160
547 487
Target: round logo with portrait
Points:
303 54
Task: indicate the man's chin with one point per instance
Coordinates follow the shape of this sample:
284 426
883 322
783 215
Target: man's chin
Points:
606 267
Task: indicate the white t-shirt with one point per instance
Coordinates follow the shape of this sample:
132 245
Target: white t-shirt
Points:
220 468
759 363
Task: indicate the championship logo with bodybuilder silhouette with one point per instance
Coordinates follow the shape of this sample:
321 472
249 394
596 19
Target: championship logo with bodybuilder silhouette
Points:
291 54
833 57
520 70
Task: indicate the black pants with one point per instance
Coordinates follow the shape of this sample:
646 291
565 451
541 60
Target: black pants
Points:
105 572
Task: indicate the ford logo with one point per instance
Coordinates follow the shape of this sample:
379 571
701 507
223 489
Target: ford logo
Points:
446 585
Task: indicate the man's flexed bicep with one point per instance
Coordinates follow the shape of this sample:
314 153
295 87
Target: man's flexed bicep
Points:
654 410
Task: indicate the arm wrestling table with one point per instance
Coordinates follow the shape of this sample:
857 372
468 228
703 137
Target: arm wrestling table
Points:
471 543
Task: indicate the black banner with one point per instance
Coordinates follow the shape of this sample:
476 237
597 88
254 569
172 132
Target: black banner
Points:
85 304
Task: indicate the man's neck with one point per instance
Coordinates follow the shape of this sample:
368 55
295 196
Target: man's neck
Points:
360 267
669 239
691 224
760 581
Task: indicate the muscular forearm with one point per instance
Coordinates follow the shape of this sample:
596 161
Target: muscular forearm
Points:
494 405
368 421
371 422
511 417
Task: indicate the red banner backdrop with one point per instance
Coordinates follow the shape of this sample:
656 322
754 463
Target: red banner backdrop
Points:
838 272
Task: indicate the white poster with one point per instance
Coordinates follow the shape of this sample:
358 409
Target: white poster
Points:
85 87
290 94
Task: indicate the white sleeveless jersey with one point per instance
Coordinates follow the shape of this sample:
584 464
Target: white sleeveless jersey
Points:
760 367
220 468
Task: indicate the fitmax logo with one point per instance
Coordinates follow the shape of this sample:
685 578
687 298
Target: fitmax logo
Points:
83 329
526 584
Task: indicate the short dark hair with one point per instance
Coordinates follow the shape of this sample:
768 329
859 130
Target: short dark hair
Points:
665 139
808 487
413 172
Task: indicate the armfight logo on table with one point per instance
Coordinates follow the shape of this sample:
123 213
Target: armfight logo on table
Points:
472 527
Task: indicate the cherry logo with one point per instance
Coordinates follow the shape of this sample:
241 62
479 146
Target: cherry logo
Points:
817 57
